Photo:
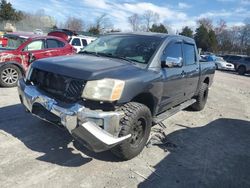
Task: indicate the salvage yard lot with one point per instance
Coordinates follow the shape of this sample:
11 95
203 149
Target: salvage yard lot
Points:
210 148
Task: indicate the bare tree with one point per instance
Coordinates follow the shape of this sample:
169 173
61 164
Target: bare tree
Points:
74 24
206 22
134 21
150 18
221 26
102 24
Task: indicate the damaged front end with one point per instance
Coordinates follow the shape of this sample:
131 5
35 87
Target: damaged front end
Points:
96 129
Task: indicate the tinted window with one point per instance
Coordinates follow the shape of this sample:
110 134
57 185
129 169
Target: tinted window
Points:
189 54
172 50
247 59
84 42
53 43
235 58
76 42
35 45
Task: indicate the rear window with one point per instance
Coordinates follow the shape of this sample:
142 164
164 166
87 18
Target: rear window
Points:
53 43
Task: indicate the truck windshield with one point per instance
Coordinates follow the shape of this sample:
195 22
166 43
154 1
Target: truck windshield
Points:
134 48
14 42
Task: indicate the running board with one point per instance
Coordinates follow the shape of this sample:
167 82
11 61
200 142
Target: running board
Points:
172 111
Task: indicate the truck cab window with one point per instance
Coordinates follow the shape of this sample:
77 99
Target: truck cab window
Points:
76 42
189 54
84 42
172 50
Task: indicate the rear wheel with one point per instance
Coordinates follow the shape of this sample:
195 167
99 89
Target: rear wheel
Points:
241 70
9 75
137 122
201 99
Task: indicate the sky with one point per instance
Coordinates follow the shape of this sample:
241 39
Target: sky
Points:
176 14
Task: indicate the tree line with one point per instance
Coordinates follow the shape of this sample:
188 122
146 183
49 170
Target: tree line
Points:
218 38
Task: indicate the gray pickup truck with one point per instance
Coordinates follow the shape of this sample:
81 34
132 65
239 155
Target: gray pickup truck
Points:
110 95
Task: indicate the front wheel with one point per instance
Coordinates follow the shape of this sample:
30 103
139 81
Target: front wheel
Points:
9 75
137 122
201 99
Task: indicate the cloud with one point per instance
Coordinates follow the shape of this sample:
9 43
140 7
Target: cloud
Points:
183 5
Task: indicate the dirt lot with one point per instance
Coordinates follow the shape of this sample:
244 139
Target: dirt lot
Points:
201 149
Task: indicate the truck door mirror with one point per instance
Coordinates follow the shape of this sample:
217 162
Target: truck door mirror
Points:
171 62
31 58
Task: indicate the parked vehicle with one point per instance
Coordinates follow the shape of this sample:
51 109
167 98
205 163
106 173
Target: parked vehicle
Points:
243 65
109 96
22 49
78 41
38 32
240 62
221 64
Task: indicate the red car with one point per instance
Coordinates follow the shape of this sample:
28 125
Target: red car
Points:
22 49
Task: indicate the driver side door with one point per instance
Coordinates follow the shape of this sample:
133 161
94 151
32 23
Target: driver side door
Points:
174 81
36 48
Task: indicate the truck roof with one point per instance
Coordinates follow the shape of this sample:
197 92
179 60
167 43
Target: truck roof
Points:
161 35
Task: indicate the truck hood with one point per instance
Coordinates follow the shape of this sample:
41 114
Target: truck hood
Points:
88 67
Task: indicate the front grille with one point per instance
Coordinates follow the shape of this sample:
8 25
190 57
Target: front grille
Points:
60 87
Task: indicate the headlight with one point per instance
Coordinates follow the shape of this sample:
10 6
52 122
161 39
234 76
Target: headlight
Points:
103 90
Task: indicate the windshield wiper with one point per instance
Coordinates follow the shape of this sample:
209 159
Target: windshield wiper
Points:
114 56
88 52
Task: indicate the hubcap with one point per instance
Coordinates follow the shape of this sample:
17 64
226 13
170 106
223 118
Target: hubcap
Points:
9 76
137 132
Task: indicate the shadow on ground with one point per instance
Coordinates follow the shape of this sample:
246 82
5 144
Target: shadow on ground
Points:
43 137
215 155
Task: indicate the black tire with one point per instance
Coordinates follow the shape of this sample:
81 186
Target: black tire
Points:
9 75
201 99
241 70
137 122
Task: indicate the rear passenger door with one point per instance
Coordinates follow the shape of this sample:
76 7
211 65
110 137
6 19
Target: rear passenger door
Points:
54 47
191 69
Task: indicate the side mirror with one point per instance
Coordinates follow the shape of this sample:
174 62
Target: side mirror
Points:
171 62
31 58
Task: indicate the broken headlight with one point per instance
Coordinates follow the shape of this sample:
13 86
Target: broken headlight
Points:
103 90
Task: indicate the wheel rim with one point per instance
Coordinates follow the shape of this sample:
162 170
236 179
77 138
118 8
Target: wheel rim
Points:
9 76
138 132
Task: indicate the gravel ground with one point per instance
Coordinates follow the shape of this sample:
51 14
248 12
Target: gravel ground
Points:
197 149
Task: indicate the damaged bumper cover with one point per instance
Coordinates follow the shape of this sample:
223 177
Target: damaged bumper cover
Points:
95 129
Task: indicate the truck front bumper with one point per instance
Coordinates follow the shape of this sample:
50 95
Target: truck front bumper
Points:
97 130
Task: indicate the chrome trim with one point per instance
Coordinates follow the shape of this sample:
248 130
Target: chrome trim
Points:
75 115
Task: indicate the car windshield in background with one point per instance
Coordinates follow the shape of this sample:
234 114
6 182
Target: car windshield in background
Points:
132 48
14 42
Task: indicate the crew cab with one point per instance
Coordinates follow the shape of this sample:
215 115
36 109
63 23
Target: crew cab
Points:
110 95
22 49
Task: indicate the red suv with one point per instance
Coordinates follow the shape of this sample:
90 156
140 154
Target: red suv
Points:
22 49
